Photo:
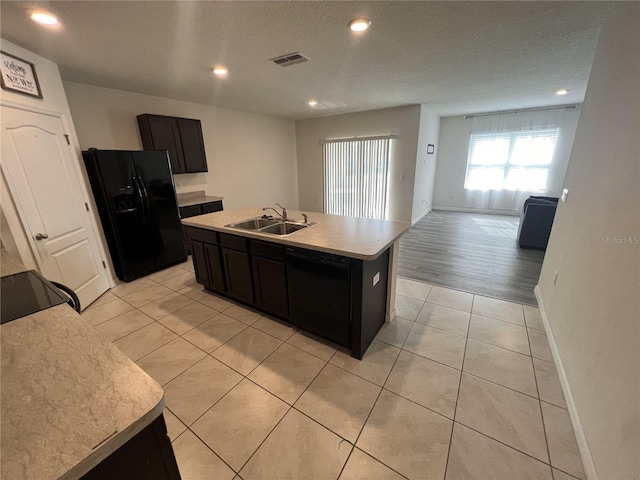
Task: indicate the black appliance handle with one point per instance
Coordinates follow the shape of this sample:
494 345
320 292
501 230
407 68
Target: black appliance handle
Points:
141 198
146 198
74 301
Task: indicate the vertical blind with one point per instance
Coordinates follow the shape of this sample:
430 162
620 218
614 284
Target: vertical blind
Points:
356 175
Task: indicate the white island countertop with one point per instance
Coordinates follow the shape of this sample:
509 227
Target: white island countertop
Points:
69 397
352 237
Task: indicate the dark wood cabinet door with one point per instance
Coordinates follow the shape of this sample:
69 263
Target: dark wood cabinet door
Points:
237 267
165 135
216 270
200 263
270 286
192 145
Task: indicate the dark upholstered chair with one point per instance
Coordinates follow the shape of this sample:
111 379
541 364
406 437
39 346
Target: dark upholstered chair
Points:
536 221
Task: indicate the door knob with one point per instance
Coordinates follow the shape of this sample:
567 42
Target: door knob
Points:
41 236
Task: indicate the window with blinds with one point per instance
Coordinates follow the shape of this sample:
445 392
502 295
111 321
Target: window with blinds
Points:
356 174
519 160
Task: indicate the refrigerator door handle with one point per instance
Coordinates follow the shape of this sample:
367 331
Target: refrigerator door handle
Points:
141 198
146 198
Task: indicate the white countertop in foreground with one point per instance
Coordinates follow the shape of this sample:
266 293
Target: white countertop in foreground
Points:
69 397
351 237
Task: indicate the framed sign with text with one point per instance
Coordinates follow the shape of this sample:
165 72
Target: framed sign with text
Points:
19 76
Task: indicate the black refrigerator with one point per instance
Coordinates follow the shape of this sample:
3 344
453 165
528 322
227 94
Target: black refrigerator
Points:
136 200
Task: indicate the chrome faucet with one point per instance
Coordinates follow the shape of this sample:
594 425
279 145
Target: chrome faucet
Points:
306 217
283 214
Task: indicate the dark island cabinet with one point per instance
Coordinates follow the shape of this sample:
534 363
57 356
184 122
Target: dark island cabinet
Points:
258 274
207 258
269 278
237 267
182 137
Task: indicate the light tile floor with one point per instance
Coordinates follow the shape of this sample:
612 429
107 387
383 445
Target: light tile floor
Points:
459 386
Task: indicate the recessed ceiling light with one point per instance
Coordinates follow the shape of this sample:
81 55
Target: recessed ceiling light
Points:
312 103
220 70
44 18
359 24
562 91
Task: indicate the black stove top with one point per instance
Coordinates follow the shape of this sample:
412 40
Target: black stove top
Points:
26 293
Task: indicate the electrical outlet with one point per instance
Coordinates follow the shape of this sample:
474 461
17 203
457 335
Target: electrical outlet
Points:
555 278
565 193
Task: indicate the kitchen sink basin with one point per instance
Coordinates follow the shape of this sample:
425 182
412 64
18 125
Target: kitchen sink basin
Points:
270 226
254 223
283 228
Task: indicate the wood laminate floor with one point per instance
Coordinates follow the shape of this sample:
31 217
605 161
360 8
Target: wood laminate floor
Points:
477 253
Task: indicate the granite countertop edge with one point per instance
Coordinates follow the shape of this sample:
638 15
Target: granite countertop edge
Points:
189 199
359 238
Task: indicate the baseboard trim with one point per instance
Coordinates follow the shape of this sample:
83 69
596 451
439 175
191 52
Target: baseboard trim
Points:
581 439
512 213
420 217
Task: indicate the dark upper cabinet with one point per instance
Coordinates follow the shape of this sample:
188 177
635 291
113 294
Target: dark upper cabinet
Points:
192 145
182 137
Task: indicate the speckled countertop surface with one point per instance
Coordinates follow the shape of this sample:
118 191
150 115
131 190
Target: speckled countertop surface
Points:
348 236
69 398
188 199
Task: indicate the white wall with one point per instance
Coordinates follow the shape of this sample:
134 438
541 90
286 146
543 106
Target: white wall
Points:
425 164
54 100
401 121
452 167
250 157
593 310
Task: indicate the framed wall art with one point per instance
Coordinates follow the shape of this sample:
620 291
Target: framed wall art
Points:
19 76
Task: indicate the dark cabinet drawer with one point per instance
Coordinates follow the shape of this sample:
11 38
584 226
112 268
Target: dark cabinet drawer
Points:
202 235
190 211
212 207
234 242
267 250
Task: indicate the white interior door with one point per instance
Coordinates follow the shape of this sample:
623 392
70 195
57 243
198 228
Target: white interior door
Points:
42 173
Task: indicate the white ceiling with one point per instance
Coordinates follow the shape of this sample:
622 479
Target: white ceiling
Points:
458 57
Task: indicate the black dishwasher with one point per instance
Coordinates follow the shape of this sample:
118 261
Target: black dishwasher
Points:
319 288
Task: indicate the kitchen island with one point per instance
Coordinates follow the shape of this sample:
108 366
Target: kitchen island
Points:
335 277
74 406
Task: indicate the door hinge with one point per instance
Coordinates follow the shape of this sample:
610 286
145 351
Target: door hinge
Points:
86 205
66 137
104 265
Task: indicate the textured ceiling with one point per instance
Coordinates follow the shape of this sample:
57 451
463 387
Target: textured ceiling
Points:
458 57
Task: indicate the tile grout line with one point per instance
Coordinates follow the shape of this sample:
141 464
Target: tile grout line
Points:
535 377
369 416
455 408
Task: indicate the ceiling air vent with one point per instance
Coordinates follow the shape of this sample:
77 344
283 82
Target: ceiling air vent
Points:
289 59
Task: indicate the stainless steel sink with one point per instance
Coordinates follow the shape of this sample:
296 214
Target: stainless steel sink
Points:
270 226
283 228
254 223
